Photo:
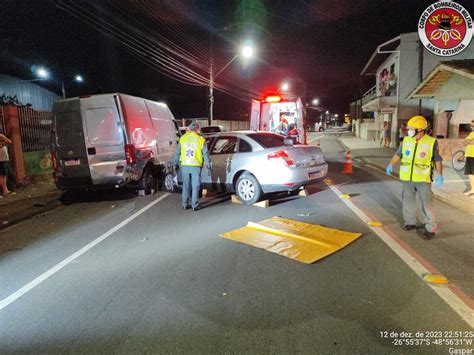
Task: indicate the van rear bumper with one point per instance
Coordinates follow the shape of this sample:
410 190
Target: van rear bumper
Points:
73 183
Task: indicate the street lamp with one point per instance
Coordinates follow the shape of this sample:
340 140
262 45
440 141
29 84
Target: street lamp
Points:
315 102
285 86
246 52
77 79
42 73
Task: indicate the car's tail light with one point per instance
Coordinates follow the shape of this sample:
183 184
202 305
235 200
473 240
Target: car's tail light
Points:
283 155
54 158
130 153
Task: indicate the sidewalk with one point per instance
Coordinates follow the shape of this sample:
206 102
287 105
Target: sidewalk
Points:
370 153
41 196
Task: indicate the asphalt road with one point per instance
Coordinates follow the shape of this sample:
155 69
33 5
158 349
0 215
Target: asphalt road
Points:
165 282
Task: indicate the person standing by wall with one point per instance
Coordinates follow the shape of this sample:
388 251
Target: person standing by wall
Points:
418 153
382 134
387 135
402 132
191 154
4 161
469 154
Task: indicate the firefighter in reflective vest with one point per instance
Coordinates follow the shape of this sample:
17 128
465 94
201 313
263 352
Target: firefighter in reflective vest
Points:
418 154
191 153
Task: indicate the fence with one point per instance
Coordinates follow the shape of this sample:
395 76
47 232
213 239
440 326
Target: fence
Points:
30 132
35 128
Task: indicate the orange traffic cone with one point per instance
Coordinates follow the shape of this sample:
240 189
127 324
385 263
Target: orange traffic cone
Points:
348 164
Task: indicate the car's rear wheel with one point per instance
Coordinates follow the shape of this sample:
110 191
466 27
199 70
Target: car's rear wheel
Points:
248 189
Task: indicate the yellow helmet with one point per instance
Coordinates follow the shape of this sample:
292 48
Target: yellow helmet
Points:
418 122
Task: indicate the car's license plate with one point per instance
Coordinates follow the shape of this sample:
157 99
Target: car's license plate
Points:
72 162
315 175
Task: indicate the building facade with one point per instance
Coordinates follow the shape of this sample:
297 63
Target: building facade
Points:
398 66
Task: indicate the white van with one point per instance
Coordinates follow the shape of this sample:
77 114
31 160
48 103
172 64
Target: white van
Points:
110 140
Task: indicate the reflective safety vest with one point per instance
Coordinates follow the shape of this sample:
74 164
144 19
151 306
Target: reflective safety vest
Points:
416 159
470 148
191 149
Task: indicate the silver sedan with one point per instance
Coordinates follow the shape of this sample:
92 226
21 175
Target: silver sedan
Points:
253 163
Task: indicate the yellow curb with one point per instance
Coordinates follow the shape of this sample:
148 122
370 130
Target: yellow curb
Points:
344 196
436 279
375 223
328 181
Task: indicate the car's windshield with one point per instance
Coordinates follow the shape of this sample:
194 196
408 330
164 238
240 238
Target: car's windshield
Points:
268 140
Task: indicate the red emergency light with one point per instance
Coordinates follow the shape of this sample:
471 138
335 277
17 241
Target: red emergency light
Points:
273 99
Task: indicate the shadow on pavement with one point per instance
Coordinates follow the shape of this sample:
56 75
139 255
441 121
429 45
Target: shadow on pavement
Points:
73 197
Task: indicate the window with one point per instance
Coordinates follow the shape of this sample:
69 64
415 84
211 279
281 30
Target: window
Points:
268 140
211 129
244 146
102 126
225 145
392 69
69 128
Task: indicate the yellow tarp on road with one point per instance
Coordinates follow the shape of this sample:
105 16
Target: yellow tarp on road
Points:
296 240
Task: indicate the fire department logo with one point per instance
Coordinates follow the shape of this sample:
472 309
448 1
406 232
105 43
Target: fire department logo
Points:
445 28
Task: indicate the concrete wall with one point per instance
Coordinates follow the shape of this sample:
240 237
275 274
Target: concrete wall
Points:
456 88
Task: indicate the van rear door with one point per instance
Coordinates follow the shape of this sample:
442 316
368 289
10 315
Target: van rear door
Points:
104 139
165 128
255 116
69 146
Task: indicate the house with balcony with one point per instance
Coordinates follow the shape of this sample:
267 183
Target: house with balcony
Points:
398 66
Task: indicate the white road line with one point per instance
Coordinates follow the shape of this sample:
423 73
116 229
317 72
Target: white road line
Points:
29 286
313 139
456 180
460 307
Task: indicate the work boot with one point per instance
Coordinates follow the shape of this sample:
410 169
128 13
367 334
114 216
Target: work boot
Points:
197 208
425 234
408 227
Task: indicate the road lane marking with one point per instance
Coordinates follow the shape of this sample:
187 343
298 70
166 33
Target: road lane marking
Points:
316 138
44 276
456 180
452 295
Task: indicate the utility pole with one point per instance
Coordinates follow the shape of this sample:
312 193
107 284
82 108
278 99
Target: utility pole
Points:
210 119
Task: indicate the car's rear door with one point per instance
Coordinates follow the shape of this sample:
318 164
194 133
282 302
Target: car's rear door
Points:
222 151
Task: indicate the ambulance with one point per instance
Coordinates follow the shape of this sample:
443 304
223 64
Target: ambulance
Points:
279 115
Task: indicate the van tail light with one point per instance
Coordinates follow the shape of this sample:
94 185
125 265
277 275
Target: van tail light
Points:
130 153
283 155
55 160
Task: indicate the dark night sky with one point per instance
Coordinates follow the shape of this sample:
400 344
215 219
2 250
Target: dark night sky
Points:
324 42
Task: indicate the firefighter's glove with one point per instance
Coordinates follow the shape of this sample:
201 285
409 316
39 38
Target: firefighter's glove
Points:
389 169
439 180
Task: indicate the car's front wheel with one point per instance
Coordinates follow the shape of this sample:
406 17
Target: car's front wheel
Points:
168 183
248 189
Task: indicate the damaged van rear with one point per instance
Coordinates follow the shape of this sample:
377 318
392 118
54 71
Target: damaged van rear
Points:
110 140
